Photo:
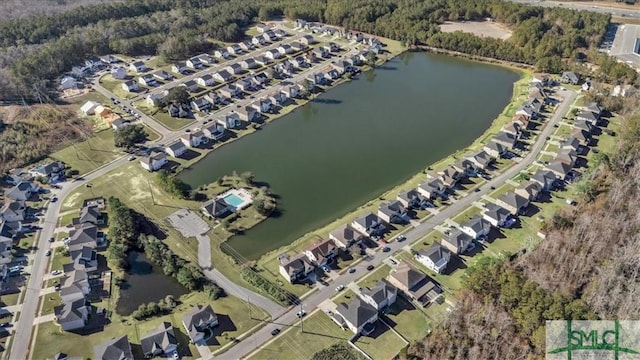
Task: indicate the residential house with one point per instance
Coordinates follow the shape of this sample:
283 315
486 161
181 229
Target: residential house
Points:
214 131
68 82
321 253
249 63
300 23
332 74
285 49
435 258
118 124
496 215
234 68
541 78
230 121
245 84
85 258
545 178
13 211
277 98
466 168
589 117
572 143
320 53
568 156
200 104
560 168
115 349
457 241
192 139
393 212
411 199
298 46
272 54
246 46
83 235
522 121
263 105
179 68
505 139
234 49
138 66
222 76
583 136
72 315
569 77
159 341
494 149
194 63
358 316
213 97
153 98
280 33
198 321
595 108
296 268
147 80
450 176
271 34
230 91
109 59
263 60
51 171
21 192
89 215
216 208
206 59
433 188
221 54
514 203
206 80
415 284
345 236
369 225
262 28
299 62
482 159
75 286
511 129
380 296
258 41
530 190
290 91
155 161
130 86
476 227
9 231
162 75
176 148
307 40
89 108
191 85
248 113
538 94
6 244
316 78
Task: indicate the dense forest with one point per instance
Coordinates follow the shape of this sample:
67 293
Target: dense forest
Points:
586 268
37 49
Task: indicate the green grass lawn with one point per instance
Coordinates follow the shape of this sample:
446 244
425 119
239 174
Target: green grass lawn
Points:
373 277
115 86
407 320
90 154
162 116
437 312
10 299
502 190
344 296
232 313
320 332
382 343
466 215
50 301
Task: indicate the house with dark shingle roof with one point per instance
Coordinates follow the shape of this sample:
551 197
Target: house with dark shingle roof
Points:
506 139
85 234
295 268
456 241
495 149
530 190
435 258
90 215
176 149
345 236
380 296
476 227
22 191
514 203
560 168
216 208
431 189
415 284
569 77
393 212
589 117
159 341
358 316
369 225
482 159
545 178
321 252
411 198
72 315
496 215
114 349
198 321
13 211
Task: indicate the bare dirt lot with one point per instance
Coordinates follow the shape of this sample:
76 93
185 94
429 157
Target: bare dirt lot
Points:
482 29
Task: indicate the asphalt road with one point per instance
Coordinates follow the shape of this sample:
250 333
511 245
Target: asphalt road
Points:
22 335
619 12
251 343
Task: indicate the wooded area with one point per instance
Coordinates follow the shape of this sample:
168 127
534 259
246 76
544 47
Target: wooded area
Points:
37 49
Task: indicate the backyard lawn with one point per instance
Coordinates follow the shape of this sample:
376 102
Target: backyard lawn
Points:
383 343
320 332
407 320
90 154
373 277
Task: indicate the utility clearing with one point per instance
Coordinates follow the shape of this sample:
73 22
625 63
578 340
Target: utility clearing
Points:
483 29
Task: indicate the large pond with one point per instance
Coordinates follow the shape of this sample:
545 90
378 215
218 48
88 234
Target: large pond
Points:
145 283
359 139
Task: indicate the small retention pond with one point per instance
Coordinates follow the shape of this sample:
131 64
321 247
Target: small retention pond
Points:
145 283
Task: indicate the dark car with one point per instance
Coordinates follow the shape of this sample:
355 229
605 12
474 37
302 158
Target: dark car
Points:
352 270
370 267
54 199
275 332
52 239
386 249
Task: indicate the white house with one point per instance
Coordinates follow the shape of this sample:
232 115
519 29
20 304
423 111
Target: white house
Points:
119 73
138 66
381 295
179 68
176 148
358 316
192 139
148 80
151 98
273 54
130 86
476 227
435 258
194 63
153 162
206 80
230 120
89 107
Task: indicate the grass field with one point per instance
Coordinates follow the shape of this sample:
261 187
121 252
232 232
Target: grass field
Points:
407 320
382 343
320 332
373 277
162 116
91 153
233 316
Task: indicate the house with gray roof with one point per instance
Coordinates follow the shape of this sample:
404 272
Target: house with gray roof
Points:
450 176
85 258
85 234
588 116
199 321
545 178
345 236
393 212
572 143
433 188
506 139
466 168
411 199
295 268
214 131
456 241
222 76
495 149
72 315
529 189
115 349
13 211
216 208
435 258
568 156
176 149
514 203
321 253
569 77
90 215
75 286
476 227
358 316
496 215
560 168
369 225
482 159
381 295
22 191
415 284
159 341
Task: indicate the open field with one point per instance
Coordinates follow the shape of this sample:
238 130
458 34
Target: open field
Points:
374 276
232 313
89 154
320 332
407 320
382 343
482 29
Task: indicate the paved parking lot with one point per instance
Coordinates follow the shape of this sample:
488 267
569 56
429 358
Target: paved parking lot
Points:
188 223
624 44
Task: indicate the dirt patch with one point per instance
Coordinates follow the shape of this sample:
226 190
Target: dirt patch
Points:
482 29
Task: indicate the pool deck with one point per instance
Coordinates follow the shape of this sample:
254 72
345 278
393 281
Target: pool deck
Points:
243 194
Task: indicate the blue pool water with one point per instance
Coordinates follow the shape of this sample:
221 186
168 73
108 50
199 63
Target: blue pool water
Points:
233 200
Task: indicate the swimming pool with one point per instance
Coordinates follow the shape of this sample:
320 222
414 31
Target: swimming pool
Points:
233 200
237 198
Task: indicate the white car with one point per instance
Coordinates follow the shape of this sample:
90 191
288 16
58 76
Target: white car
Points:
340 288
56 272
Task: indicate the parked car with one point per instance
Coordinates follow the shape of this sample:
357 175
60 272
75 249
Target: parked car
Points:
54 199
52 239
56 272
275 332
386 249
352 270
370 267
47 253
301 313
326 269
401 238
340 288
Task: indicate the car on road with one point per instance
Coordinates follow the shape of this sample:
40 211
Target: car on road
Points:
56 272
340 288
275 332
393 262
301 313
370 267
5 324
54 199
57 287
401 238
326 269
52 239
386 249
352 270
131 158
47 253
